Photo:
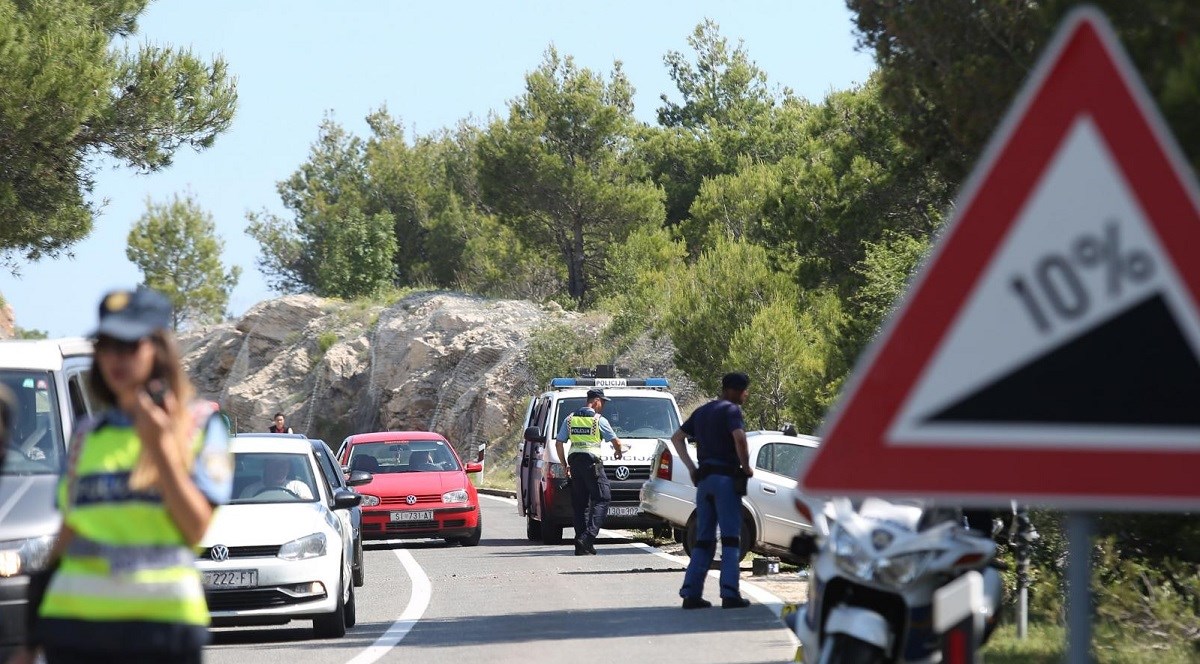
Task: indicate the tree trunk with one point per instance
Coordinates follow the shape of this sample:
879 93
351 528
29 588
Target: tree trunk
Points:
575 280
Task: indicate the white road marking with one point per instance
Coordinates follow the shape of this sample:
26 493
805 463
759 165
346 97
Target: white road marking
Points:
422 591
760 595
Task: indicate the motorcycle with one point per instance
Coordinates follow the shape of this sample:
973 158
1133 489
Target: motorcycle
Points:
876 566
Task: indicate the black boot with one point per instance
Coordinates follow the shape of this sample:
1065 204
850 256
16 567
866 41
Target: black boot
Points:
580 548
589 545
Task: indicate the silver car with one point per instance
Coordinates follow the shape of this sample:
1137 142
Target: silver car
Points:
769 516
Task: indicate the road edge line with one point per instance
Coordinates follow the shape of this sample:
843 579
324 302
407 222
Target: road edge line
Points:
422 592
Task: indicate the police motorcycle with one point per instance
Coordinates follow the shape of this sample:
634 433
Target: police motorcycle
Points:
876 565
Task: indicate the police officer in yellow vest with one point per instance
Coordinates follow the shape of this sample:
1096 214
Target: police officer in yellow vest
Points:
585 429
141 486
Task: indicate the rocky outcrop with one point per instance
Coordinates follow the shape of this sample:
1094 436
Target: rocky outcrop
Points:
8 321
431 361
438 361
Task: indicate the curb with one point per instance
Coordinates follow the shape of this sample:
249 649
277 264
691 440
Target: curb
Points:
504 493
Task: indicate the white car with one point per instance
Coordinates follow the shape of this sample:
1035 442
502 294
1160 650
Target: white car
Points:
769 516
282 549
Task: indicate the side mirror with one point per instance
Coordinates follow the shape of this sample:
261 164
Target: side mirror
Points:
474 467
534 435
359 478
344 499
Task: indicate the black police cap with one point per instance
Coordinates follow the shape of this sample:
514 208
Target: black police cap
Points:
133 315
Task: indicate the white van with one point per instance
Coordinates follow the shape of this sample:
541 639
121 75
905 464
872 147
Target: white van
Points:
49 380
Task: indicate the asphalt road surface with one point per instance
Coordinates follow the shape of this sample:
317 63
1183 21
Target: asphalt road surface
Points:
512 600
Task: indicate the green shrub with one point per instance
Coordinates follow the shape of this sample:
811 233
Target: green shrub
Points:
325 341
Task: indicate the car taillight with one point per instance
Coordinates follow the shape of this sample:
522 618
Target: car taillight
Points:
664 465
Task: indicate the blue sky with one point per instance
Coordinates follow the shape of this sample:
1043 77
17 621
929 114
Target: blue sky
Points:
432 64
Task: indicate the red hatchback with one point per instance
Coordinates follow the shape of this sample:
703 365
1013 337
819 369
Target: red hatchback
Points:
419 490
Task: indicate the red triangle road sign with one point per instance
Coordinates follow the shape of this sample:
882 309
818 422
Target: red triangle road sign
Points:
1049 349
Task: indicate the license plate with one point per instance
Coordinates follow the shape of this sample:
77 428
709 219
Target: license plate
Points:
423 515
624 511
234 578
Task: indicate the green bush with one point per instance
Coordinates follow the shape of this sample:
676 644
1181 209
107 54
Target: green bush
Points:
326 340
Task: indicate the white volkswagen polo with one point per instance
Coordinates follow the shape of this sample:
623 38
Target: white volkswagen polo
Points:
282 548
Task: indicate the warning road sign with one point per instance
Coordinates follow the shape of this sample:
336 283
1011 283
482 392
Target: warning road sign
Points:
1050 348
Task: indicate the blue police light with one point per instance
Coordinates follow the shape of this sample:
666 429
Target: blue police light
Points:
657 382
562 382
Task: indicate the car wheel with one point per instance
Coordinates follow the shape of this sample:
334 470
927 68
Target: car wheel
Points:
333 624
351 609
746 536
473 538
533 529
551 533
360 566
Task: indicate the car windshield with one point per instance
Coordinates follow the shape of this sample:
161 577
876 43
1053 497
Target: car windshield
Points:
272 477
403 456
36 444
630 417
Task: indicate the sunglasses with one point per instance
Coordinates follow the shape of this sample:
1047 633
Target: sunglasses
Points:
117 346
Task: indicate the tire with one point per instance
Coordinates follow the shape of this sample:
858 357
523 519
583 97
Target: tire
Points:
746 535
360 570
333 624
845 649
533 529
473 538
351 609
552 533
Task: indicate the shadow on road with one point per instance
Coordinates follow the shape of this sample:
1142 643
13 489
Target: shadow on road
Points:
643 570
624 622
295 633
388 545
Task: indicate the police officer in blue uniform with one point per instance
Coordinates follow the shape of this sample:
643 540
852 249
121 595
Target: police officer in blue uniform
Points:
719 430
585 429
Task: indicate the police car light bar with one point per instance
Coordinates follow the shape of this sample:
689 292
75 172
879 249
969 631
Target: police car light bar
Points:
608 382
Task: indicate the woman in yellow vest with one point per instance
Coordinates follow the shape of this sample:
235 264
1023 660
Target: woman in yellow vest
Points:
139 491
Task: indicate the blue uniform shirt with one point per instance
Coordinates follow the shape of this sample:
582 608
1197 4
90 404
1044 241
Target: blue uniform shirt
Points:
606 430
712 426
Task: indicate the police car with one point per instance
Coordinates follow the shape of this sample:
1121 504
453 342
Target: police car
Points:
641 410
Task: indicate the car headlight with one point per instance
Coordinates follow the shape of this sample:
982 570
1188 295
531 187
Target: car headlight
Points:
368 500
456 496
25 556
309 546
849 554
901 570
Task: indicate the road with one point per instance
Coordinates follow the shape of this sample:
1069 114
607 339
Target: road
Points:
512 600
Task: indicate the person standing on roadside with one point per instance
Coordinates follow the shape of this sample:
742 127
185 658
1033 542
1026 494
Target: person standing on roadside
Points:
279 425
141 485
585 429
724 465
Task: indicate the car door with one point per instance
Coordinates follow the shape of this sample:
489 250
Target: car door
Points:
336 480
524 464
776 467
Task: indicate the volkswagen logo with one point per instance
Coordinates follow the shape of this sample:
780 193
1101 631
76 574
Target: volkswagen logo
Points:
622 472
219 553
410 499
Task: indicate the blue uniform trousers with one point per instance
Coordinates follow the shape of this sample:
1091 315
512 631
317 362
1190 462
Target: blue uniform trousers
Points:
590 495
717 502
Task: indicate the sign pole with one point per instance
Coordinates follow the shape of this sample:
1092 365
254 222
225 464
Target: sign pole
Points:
1079 587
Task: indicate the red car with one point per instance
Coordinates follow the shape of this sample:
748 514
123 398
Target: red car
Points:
419 490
